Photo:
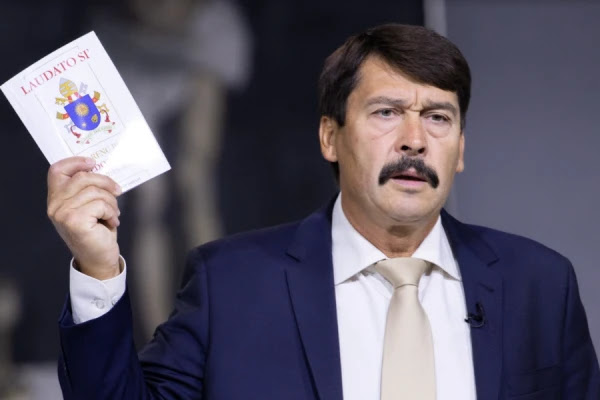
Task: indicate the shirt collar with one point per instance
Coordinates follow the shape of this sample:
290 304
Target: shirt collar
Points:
352 253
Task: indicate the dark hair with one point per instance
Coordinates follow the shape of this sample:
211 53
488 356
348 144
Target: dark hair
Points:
418 52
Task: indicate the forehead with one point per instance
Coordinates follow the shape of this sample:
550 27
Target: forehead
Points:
376 77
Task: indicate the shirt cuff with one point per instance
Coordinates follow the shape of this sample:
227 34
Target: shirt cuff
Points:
92 298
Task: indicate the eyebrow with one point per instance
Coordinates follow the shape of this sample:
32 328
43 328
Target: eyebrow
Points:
440 105
401 103
386 100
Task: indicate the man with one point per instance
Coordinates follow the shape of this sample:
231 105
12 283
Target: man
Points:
380 294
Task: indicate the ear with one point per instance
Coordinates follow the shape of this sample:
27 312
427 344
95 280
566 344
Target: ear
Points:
328 129
460 166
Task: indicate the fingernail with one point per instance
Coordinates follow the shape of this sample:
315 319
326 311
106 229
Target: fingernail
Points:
90 161
118 190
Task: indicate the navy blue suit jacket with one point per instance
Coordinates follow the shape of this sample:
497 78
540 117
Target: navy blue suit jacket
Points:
256 319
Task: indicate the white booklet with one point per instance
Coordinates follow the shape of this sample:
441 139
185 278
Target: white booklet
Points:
74 103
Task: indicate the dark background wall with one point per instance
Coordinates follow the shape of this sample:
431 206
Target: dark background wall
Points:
33 257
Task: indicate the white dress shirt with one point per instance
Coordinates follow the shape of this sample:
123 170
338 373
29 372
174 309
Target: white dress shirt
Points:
91 298
362 297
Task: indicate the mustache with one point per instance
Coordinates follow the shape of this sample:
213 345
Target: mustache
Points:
406 163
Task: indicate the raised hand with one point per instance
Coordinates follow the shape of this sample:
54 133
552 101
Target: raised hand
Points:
83 207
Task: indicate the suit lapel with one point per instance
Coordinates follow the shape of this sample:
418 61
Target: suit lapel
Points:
482 285
312 293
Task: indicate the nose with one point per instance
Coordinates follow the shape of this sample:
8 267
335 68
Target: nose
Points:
412 138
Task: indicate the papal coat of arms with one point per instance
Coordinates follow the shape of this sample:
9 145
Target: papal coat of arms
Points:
82 111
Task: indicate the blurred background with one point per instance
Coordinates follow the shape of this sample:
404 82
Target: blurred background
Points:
229 89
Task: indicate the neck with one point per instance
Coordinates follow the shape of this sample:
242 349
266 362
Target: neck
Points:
393 239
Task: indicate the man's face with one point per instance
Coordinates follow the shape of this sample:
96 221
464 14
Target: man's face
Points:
390 119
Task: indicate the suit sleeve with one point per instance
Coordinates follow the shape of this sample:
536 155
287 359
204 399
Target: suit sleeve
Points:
98 358
580 368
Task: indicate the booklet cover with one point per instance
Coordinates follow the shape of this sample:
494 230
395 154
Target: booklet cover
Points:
74 103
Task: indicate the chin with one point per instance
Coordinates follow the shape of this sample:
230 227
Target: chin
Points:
410 212
404 215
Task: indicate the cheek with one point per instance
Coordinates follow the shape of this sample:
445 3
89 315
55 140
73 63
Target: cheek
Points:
380 127
362 169
364 152
449 161
451 170
350 160
355 152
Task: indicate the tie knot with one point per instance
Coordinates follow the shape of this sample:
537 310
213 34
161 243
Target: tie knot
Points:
403 270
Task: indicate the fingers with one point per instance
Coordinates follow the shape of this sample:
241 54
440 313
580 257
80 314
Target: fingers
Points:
82 180
76 168
85 218
90 194
83 207
101 211
73 188
70 177
64 169
60 204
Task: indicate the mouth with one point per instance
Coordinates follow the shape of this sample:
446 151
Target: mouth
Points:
409 172
409 176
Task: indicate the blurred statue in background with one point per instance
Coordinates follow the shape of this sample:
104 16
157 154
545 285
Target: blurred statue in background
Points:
178 57
10 310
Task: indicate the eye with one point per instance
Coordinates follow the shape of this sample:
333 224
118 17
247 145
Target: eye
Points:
439 118
385 112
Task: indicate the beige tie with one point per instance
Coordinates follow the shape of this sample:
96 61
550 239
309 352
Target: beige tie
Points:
408 371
